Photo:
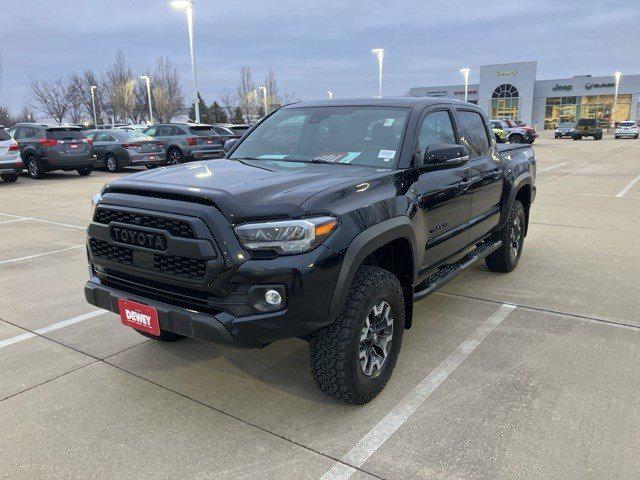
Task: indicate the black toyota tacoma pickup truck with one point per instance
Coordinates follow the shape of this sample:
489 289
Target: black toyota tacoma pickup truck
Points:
325 222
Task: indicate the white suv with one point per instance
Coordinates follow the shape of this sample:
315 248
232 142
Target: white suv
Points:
10 162
628 128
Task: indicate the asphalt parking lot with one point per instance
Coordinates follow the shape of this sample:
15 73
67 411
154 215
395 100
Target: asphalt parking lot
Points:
532 374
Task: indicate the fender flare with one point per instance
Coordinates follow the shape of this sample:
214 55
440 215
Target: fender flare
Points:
365 243
519 182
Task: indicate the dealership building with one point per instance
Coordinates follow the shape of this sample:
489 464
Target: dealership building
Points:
511 90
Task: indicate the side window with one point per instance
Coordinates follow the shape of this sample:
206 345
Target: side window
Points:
151 131
474 133
175 131
436 128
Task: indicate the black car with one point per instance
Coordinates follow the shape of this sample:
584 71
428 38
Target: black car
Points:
45 148
114 149
185 142
328 234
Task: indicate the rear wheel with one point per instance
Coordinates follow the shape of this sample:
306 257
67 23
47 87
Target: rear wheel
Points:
353 358
636 136
505 258
577 137
84 171
35 168
111 164
9 177
151 166
174 157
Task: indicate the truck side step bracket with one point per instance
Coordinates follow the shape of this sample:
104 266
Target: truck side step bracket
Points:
449 271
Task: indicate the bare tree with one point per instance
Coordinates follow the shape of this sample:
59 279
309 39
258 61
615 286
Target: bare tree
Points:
50 97
273 94
289 97
6 120
247 95
77 109
120 84
168 98
25 115
229 101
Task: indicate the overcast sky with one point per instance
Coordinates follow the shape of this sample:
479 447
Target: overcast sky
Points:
317 45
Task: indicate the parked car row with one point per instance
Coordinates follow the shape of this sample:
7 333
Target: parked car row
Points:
511 132
43 148
591 127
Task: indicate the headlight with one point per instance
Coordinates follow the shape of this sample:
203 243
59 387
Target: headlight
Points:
96 197
286 237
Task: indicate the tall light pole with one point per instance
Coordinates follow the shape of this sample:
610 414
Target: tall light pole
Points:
264 98
465 74
330 94
187 6
93 102
148 80
616 77
379 52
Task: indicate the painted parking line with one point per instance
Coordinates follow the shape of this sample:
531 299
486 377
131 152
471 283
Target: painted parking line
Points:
50 328
381 432
628 187
28 257
23 218
552 167
15 220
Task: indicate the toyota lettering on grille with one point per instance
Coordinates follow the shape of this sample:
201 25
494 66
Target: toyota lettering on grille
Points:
131 236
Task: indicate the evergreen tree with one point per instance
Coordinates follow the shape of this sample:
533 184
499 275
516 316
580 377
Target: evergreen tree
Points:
238 118
217 113
205 117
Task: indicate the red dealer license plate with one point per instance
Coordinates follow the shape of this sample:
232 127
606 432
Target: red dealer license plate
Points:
139 316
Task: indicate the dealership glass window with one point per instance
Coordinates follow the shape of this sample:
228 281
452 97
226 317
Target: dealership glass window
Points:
505 101
602 108
559 110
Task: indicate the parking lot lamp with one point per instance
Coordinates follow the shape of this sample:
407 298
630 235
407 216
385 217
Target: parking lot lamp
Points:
148 80
379 52
465 74
187 6
93 103
264 98
616 77
330 94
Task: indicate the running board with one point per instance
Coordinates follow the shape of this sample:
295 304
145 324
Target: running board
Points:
448 272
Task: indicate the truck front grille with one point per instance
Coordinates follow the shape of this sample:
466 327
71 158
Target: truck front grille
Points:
177 228
191 268
113 253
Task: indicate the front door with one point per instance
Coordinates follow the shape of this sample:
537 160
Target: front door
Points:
486 173
442 195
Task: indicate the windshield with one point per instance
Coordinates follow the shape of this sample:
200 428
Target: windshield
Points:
627 124
349 135
565 125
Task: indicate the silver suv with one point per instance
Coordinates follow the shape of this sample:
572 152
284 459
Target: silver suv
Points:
184 142
10 163
45 148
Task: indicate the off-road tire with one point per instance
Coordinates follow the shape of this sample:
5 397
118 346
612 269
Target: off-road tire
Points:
84 171
35 168
516 138
334 349
577 137
503 260
165 336
9 177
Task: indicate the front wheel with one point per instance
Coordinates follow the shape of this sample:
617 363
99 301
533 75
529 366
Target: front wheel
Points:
174 157
353 358
84 171
506 258
111 163
516 138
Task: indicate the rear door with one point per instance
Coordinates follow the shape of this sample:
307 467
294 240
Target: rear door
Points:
443 196
486 172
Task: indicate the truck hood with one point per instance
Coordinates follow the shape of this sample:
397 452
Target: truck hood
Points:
243 189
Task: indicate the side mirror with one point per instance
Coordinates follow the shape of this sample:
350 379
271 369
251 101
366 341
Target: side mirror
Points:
228 144
440 156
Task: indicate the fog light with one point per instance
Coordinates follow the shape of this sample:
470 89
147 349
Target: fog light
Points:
273 298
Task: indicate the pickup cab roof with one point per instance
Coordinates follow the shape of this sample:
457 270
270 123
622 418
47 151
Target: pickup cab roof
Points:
377 102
